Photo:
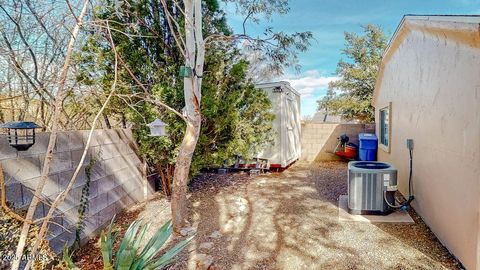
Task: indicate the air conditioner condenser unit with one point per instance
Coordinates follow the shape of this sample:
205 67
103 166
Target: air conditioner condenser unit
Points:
370 185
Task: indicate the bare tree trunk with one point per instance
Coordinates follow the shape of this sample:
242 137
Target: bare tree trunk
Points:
194 58
51 143
62 196
182 170
145 178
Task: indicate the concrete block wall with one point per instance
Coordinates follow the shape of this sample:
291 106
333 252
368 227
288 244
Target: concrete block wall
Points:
116 179
320 139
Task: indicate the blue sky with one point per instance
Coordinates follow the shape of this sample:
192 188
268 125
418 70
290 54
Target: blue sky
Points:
328 19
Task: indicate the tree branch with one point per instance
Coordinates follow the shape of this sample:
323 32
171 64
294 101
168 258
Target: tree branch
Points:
158 103
177 38
51 144
250 12
61 197
22 38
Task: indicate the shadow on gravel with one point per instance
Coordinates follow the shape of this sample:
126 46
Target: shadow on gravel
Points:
289 220
277 221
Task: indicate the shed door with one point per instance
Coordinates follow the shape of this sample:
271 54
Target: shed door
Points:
291 150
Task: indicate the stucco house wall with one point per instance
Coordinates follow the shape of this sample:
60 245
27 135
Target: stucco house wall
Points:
430 77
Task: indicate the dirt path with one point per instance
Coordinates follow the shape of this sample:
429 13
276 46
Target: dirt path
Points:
290 220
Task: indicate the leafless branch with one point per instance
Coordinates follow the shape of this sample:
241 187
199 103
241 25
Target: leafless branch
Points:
178 38
49 154
62 196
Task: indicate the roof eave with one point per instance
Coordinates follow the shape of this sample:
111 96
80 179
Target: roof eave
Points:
434 24
279 83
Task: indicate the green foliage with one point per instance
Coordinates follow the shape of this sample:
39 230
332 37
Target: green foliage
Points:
274 50
67 262
357 76
255 10
236 117
130 255
106 246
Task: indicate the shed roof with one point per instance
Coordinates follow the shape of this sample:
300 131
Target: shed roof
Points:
280 83
460 28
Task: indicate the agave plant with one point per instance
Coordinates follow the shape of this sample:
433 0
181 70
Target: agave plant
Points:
67 262
130 255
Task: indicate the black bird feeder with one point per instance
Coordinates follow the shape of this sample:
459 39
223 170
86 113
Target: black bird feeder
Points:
21 135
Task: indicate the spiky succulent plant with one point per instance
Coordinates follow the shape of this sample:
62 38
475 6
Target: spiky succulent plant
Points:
130 254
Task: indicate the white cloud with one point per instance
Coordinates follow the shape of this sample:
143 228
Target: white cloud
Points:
309 82
312 86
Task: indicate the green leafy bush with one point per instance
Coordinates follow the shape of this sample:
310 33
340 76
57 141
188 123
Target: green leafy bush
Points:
236 116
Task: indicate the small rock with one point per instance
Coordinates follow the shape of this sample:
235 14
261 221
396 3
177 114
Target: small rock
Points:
242 204
203 262
196 204
229 226
206 245
187 231
254 172
216 235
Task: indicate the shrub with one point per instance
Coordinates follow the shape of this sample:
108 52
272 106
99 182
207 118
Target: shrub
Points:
130 255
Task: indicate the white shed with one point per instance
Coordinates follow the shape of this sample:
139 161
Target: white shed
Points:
286 107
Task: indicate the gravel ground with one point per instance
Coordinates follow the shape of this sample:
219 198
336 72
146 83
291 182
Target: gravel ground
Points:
289 220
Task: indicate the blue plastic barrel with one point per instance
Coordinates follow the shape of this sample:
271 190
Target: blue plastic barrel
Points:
367 148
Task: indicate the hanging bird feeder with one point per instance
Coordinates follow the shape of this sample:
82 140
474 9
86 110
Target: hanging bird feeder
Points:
20 135
157 128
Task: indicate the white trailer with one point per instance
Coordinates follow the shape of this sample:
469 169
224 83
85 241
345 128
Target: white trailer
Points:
286 148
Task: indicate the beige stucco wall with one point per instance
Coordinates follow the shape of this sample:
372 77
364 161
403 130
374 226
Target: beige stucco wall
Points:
433 84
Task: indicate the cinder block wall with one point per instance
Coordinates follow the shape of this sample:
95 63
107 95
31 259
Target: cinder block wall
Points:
320 139
116 179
